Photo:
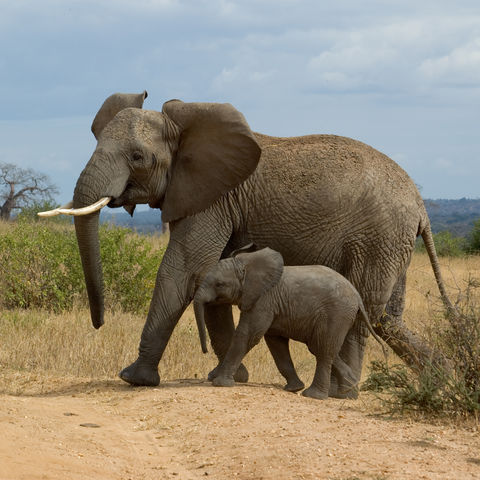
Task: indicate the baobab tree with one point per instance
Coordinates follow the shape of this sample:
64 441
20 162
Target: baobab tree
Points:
21 188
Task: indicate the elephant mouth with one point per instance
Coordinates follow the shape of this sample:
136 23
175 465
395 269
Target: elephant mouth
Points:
155 204
125 198
116 202
120 202
132 195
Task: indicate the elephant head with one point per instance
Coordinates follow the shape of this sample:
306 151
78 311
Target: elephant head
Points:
241 280
180 160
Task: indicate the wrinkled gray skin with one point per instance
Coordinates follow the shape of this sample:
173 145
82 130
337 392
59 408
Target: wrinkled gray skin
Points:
312 304
319 199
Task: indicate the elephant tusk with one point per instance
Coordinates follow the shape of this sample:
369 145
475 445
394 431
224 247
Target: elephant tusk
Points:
86 210
68 210
52 213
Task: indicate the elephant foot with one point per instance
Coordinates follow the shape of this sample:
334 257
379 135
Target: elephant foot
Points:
212 374
294 386
223 381
313 392
344 386
140 375
241 376
350 392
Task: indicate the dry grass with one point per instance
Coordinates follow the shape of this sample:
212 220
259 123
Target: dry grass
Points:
38 343
4 226
423 304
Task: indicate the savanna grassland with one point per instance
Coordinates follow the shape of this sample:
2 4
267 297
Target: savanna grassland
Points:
42 342
65 413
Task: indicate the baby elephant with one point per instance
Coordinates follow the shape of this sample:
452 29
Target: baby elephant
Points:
311 304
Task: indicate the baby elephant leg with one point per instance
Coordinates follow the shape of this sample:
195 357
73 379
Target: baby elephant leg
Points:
349 387
252 326
220 326
278 347
321 380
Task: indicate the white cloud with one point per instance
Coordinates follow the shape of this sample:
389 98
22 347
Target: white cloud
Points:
238 77
460 67
402 75
396 57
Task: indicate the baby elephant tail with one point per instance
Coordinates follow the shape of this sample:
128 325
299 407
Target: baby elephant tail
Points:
365 318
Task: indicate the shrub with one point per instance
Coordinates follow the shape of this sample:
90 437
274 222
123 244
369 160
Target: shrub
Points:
474 238
130 264
40 267
452 389
29 213
446 245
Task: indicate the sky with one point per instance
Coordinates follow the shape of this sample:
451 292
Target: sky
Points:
402 76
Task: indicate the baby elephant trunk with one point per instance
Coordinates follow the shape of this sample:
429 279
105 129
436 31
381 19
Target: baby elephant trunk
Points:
199 301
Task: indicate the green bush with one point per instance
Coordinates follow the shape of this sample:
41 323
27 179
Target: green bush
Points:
446 245
424 392
474 238
29 213
451 389
40 267
130 265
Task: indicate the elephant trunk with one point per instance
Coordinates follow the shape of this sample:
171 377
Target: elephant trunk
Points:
101 177
199 302
86 229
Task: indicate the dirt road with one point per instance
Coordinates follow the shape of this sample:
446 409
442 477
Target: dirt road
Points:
190 430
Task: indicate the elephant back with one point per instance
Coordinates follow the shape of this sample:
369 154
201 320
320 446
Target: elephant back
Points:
336 168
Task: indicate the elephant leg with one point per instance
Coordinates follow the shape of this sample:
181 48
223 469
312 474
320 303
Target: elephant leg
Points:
278 347
252 326
219 321
192 249
351 353
392 301
344 380
319 388
405 343
155 334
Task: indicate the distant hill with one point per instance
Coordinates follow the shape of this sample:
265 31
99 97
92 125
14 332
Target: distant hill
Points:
149 221
456 216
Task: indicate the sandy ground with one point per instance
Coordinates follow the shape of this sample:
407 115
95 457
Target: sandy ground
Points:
190 430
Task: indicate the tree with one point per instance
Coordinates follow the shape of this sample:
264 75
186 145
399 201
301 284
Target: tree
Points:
21 188
474 238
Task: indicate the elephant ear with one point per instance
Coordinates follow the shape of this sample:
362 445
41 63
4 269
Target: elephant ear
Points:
112 105
217 151
263 270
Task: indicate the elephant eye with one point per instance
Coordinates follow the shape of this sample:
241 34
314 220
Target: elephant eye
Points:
219 284
137 156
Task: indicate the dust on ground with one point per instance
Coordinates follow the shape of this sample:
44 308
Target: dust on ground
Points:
187 429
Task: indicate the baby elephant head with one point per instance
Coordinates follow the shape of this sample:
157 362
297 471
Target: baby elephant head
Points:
241 280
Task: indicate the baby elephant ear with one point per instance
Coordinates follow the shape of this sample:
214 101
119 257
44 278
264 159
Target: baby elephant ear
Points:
263 270
112 105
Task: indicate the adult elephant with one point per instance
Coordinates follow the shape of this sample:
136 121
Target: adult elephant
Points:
318 199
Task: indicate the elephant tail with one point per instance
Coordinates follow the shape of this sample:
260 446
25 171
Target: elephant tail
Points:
426 234
365 318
